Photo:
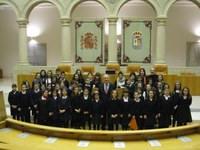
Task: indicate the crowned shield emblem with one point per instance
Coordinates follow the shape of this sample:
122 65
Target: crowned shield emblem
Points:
88 41
137 40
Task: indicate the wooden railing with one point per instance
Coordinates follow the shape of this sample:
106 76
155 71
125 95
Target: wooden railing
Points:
103 135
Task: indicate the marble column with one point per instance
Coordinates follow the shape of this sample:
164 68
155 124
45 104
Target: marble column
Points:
23 48
66 41
161 40
112 40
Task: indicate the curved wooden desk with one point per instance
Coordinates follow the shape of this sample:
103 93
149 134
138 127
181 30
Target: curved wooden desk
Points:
101 135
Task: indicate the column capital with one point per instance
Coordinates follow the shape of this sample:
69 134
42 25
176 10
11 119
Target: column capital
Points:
65 62
65 21
160 63
161 20
112 20
22 23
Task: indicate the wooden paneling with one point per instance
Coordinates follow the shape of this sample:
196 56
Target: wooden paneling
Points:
2 108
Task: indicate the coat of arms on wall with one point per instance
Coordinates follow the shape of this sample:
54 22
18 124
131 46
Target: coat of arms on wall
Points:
137 40
88 41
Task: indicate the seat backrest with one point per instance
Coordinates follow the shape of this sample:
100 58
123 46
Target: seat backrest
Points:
115 67
161 69
132 68
65 68
86 69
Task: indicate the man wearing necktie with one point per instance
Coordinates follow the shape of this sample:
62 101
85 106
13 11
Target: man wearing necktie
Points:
105 90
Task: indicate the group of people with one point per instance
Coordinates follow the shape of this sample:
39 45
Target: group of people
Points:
92 103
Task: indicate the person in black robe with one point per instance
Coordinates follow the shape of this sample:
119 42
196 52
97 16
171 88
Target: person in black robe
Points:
183 109
153 76
176 95
64 109
13 102
105 92
96 111
43 76
42 109
165 109
64 80
150 110
96 82
35 96
53 109
85 108
58 75
88 85
37 80
24 104
130 86
137 109
49 77
114 110
159 90
125 114
76 108
146 92
49 89
80 76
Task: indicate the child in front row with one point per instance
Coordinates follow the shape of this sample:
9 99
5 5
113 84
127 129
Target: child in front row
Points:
96 111
13 101
125 115
183 110
64 109
85 108
114 109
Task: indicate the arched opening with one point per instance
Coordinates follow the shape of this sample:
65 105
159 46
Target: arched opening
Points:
46 47
182 29
135 13
89 12
8 35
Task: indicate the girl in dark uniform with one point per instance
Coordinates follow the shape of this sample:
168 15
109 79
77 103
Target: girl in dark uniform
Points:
43 76
43 109
176 94
150 110
96 111
165 109
64 109
13 101
114 109
96 82
137 109
183 109
36 95
76 108
53 109
125 114
24 104
85 108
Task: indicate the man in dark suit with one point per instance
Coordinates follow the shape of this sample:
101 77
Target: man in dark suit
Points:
153 76
105 90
